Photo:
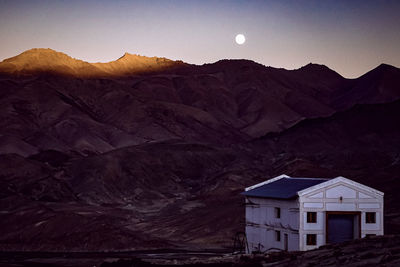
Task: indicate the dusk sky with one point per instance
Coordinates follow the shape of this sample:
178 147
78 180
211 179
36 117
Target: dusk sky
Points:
350 37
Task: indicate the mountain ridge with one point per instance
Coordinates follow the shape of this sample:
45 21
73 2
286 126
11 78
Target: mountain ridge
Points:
27 63
42 60
225 102
157 159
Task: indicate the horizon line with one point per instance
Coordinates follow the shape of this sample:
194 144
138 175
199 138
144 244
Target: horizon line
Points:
125 54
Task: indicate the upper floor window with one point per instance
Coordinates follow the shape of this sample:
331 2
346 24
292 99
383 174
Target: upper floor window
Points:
370 217
277 212
311 217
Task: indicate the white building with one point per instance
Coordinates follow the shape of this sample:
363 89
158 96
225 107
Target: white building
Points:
304 213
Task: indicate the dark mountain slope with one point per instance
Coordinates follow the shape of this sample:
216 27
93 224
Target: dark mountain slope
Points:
150 196
176 194
379 85
361 143
228 102
157 158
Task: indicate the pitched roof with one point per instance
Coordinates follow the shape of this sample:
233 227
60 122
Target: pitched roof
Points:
283 188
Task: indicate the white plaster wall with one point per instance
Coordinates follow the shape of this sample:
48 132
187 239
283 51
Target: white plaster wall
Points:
317 195
340 191
340 206
338 196
313 205
261 223
294 245
369 205
362 195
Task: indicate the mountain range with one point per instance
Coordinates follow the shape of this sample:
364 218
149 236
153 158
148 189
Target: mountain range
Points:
143 153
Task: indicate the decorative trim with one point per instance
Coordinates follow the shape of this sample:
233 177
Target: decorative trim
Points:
266 182
338 180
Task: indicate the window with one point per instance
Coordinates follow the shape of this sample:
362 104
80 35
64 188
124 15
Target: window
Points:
311 217
370 217
278 236
277 212
311 239
369 235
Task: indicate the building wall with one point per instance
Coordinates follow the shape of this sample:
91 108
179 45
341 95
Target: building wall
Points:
338 196
261 223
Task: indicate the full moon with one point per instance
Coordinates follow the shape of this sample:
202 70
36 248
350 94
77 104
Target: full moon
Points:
240 39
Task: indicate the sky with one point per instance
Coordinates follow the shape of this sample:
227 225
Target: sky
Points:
350 37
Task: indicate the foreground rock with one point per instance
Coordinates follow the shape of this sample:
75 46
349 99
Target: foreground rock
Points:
375 251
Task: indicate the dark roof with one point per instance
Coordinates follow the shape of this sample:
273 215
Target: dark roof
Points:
284 188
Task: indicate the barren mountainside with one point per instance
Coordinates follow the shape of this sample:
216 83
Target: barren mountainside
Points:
40 60
151 153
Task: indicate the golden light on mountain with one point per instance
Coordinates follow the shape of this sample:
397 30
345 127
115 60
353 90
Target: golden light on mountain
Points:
47 60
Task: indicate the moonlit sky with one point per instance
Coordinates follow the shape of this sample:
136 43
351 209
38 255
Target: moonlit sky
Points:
351 37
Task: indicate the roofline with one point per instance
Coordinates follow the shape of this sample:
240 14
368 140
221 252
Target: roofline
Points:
339 179
275 198
267 182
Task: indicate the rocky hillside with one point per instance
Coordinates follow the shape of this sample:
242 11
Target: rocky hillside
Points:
152 153
360 143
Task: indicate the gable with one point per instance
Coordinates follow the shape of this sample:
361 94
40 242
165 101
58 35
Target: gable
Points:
341 191
317 195
362 195
341 187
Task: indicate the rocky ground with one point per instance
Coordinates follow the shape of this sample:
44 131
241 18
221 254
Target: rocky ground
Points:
375 251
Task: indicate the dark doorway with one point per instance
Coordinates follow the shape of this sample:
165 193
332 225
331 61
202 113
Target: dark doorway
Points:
285 240
342 226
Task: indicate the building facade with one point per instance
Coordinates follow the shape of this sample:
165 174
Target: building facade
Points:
288 213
